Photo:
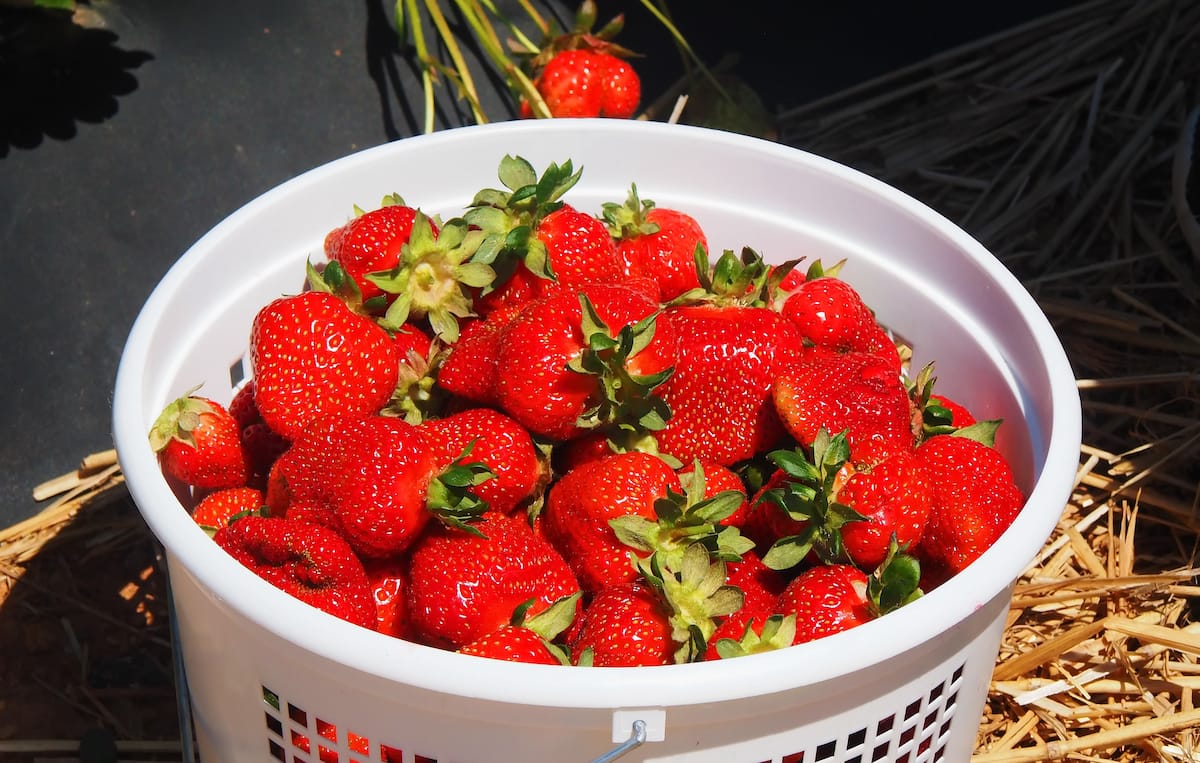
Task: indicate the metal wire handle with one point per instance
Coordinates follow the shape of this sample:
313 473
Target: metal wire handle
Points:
637 736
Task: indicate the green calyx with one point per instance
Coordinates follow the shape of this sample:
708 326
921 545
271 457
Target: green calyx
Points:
896 582
417 396
178 420
778 632
451 496
333 279
686 519
628 220
429 280
745 280
625 407
694 589
549 623
507 220
807 496
937 419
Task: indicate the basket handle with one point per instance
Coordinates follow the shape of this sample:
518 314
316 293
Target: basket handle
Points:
637 736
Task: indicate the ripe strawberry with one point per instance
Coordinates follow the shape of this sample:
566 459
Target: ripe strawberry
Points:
468 369
626 625
941 415
465 585
389 588
589 83
261 445
371 242
587 360
529 639
826 599
537 244
856 392
312 563
756 634
198 443
975 499
620 87
894 496
581 504
313 357
720 392
500 444
217 508
960 417
657 242
719 479
832 315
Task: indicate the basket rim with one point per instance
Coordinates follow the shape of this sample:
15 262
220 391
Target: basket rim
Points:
413 664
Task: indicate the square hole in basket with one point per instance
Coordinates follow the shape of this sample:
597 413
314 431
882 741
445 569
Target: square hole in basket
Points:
276 750
238 372
275 725
826 751
297 715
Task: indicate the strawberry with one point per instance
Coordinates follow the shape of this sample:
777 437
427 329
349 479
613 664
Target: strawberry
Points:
757 634
829 599
371 242
582 502
570 362
656 242
389 587
537 244
856 392
626 625
198 442
500 444
975 499
831 315
731 348
314 357
465 585
261 445
435 277
312 563
718 479
844 514
219 507
529 639
468 369
589 83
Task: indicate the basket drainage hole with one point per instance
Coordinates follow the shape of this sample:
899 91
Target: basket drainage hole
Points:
276 750
271 698
274 724
913 708
856 739
297 715
827 751
237 372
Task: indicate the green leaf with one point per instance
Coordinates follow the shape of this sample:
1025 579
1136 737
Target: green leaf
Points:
516 172
981 431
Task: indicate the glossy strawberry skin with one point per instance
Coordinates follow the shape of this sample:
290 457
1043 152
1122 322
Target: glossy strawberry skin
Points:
468 369
312 563
859 393
581 503
626 625
533 383
371 242
570 84
513 644
826 599
895 496
389 588
620 87
463 587
199 443
666 256
313 357
496 441
261 444
720 392
975 499
831 314
218 507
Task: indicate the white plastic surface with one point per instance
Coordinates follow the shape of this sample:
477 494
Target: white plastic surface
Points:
926 278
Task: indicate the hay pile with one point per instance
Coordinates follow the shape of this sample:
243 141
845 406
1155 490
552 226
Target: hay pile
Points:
1065 146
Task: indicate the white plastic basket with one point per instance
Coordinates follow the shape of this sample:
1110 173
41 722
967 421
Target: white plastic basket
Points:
269 676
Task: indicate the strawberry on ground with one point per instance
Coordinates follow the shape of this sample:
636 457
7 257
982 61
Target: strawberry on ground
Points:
312 563
198 442
464 585
314 357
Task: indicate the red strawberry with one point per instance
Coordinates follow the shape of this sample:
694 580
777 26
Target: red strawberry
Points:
313 357
587 360
537 244
657 242
855 392
217 508
960 417
941 415
468 369
464 585
755 634
389 587
718 479
894 496
500 444
371 242
589 83
626 625
199 443
529 639
261 444
581 504
827 599
975 499
620 87
831 315
312 563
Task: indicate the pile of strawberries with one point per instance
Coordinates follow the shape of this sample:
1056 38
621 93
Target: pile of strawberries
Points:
539 434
